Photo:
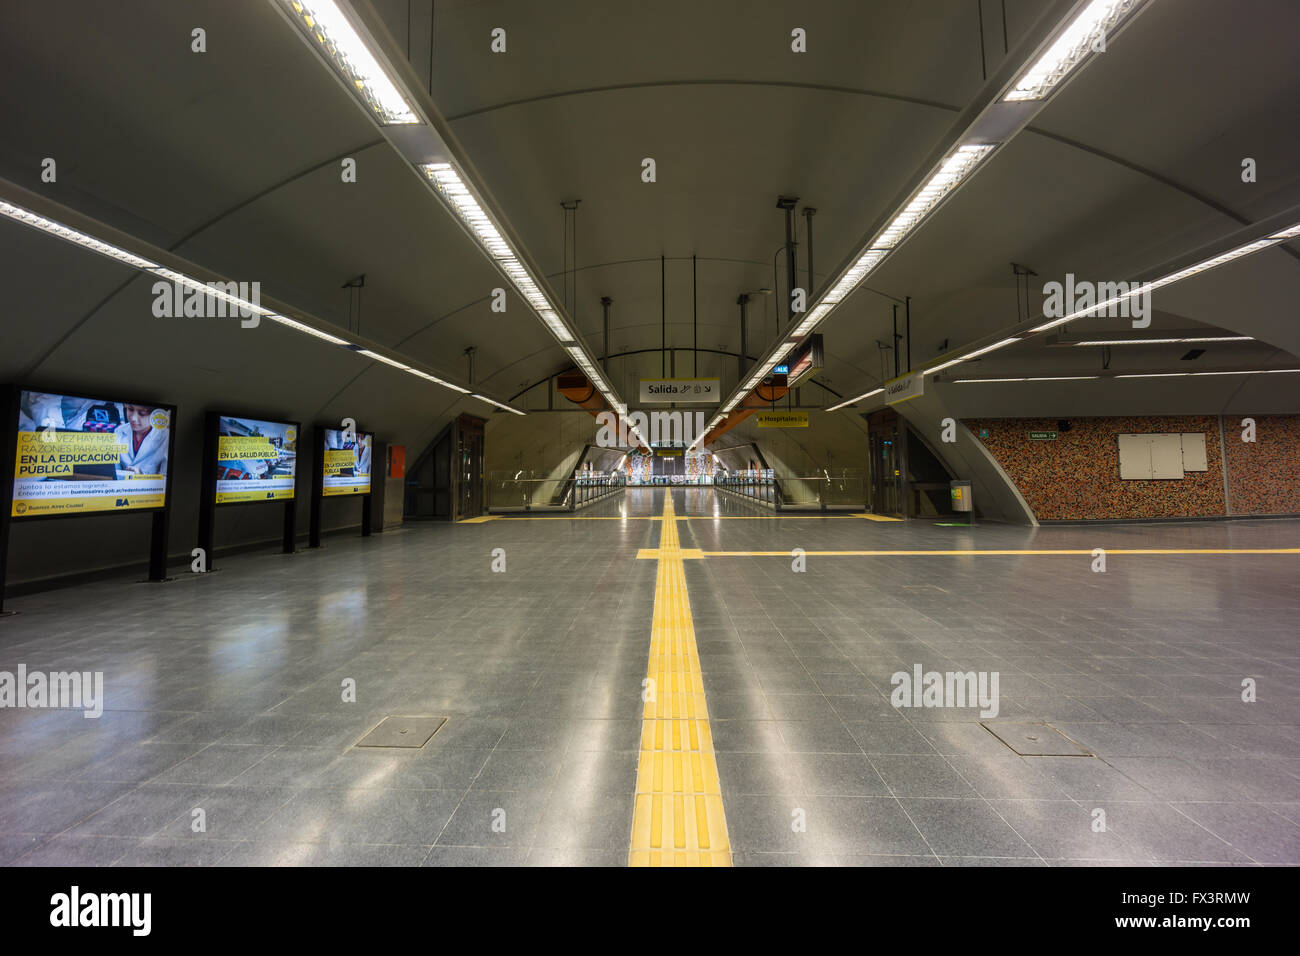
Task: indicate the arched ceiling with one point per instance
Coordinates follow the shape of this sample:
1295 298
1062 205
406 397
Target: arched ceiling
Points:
231 159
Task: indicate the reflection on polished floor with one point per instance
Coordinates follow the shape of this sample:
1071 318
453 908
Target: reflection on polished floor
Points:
225 693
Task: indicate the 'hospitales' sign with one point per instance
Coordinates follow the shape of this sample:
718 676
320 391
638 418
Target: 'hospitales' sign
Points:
687 390
904 387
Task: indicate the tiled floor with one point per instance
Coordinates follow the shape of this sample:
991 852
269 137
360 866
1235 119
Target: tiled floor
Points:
225 693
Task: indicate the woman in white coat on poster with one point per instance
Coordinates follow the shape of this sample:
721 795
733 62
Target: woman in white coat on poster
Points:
146 445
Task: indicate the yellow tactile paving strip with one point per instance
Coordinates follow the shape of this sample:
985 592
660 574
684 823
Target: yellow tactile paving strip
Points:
678 818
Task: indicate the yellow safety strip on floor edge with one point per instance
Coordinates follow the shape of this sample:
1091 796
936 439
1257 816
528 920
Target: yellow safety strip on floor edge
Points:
678 818
478 520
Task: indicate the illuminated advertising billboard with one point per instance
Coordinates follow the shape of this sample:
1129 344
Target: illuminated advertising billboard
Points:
256 460
346 462
87 455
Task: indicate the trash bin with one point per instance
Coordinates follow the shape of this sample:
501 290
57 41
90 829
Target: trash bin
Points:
961 497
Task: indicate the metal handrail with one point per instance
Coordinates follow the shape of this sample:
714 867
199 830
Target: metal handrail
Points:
571 492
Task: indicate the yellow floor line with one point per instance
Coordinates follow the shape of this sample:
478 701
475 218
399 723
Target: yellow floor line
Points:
578 517
704 517
892 554
775 517
478 520
678 818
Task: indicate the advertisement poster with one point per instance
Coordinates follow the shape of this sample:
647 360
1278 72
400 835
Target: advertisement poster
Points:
347 462
84 455
255 460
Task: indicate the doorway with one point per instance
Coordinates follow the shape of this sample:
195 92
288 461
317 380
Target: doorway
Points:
887 463
469 470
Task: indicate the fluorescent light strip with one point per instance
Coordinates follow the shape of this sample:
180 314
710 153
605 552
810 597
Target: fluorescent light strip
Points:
348 51
1070 49
29 218
1256 371
438 381
972 355
874 391
351 58
299 327
447 180
209 289
1205 338
1231 255
1034 378
387 361
1138 289
959 164
953 170
53 228
500 405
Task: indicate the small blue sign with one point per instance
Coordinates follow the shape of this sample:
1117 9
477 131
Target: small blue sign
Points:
781 370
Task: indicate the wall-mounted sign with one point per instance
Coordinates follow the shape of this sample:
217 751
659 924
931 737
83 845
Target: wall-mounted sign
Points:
1042 436
904 387
668 453
689 391
781 370
782 419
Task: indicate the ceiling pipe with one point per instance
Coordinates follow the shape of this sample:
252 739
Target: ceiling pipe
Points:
577 388
788 203
605 303
808 213
742 300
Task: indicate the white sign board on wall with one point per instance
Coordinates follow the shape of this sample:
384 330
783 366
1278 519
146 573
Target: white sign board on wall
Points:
1145 457
686 391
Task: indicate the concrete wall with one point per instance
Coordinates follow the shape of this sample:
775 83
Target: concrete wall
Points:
832 441
543 445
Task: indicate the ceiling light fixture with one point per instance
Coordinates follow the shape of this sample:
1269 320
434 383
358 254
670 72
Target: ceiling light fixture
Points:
836 408
29 218
1190 339
1032 378
1254 371
212 289
1137 288
948 174
345 42
1075 45
345 50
